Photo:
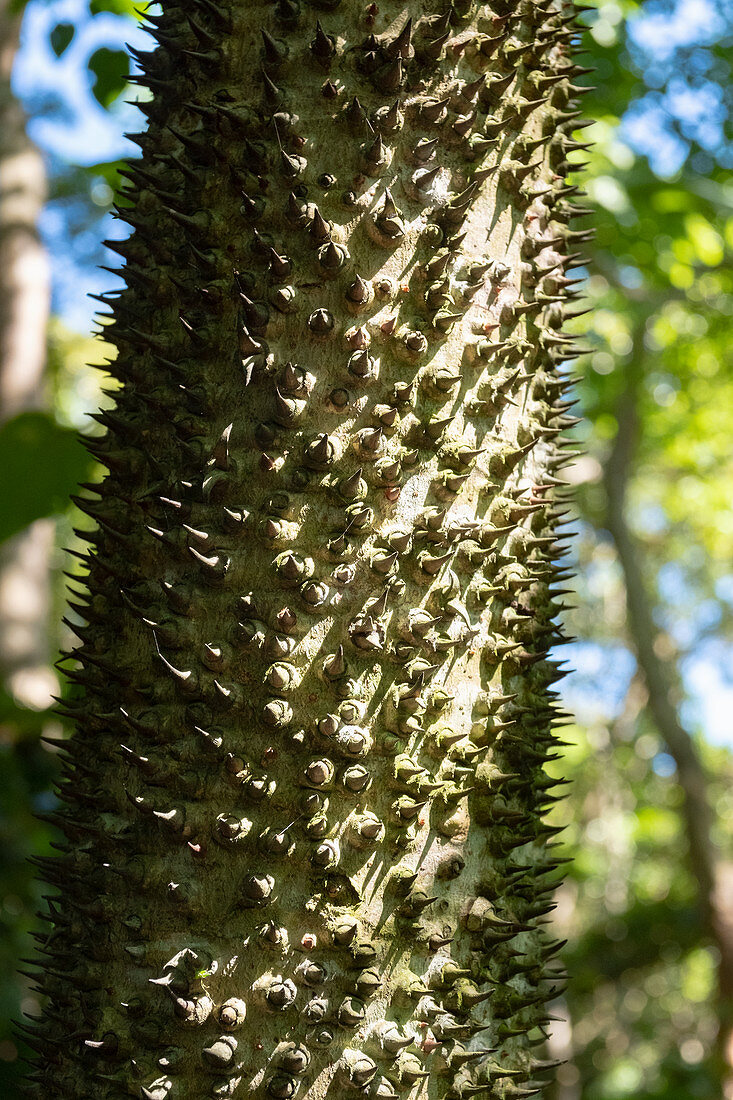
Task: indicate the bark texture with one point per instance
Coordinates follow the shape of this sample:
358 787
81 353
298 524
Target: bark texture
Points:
305 851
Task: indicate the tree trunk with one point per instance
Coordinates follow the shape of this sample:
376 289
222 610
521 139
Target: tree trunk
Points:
303 805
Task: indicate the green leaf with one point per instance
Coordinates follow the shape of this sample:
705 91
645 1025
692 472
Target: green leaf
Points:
41 463
116 7
61 37
110 71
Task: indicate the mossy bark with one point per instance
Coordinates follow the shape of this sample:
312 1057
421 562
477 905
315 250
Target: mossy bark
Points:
305 849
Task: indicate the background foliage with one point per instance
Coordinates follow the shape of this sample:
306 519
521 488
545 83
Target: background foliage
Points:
643 1011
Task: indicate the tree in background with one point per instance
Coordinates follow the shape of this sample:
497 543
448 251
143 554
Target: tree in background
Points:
24 306
25 582
654 562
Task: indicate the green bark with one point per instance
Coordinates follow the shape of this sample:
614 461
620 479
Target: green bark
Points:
303 810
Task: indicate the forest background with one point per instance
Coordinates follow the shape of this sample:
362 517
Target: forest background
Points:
648 904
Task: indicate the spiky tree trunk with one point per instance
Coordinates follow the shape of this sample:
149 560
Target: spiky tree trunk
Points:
305 850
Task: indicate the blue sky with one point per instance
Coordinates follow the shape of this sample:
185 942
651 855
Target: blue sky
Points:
79 130
73 129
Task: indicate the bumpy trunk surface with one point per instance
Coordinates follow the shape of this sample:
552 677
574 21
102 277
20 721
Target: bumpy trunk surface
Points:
305 851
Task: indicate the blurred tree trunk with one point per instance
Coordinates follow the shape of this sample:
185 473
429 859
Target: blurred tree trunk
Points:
708 870
24 306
